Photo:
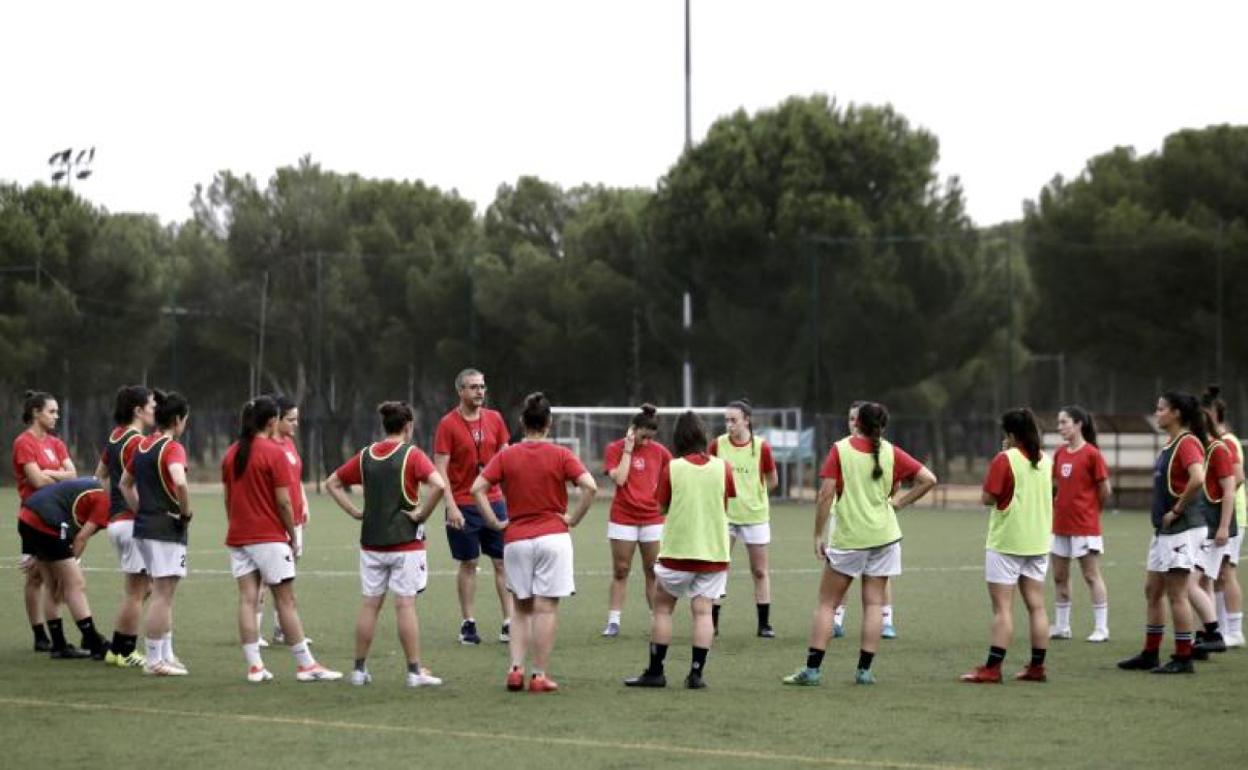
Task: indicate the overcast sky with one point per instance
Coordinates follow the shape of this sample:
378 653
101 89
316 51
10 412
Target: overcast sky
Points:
470 94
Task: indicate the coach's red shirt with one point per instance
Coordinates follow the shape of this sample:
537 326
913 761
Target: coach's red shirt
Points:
636 501
470 445
535 476
1077 475
417 468
49 453
905 467
253 513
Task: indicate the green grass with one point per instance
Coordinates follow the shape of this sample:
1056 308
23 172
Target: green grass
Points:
1088 715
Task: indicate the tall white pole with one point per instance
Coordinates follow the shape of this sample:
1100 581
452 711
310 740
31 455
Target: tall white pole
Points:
688 367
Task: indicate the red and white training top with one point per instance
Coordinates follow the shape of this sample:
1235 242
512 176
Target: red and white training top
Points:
1077 476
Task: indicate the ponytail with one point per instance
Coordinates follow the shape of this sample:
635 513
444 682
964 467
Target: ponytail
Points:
536 415
1087 426
256 415
1191 416
872 419
1021 425
170 407
1213 402
647 418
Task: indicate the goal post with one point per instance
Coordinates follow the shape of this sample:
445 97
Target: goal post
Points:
587 430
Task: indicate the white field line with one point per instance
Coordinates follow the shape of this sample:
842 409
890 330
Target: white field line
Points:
760 757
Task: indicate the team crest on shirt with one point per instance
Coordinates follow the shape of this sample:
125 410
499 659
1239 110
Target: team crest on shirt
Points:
50 454
639 464
291 457
476 435
1067 469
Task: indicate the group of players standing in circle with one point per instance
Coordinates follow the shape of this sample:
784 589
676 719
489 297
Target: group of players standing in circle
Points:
682 510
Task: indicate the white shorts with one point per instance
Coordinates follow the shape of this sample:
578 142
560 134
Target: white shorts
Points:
690 585
1076 546
884 561
540 566
121 535
1175 552
274 561
1005 569
1211 556
162 559
751 534
299 541
404 573
634 533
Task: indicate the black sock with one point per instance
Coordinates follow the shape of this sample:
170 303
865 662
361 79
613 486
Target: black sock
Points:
1211 630
123 644
764 614
1037 656
413 668
657 653
995 656
359 664
814 658
699 660
864 659
41 635
91 638
57 632
715 616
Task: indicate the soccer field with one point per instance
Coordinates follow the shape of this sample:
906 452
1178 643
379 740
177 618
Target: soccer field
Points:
77 714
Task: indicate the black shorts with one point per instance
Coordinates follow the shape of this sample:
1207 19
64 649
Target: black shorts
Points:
43 546
475 538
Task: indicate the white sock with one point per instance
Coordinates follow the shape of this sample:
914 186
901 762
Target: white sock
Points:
613 616
839 616
251 652
1062 619
1235 622
1100 617
167 643
303 656
155 651
1219 599
886 612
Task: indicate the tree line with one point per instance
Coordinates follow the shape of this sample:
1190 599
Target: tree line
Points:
825 258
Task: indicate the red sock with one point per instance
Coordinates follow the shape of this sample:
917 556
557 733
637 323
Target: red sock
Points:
1183 648
1153 637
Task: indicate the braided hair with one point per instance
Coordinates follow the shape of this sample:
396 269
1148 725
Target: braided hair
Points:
872 419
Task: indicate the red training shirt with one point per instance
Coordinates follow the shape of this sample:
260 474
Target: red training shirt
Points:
1221 465
665 499
417 468
1000 480
91 506
1188 452
636 502
1077 475
535 476
253 513
470 445
905 467
49 453
296 491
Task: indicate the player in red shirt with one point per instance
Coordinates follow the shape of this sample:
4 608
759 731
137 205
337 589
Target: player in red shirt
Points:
287 427
467 438
1227 595
1217 504
1081 484
134 411
392 534
55 523
534 475
155 487
258 481
39 459
634 463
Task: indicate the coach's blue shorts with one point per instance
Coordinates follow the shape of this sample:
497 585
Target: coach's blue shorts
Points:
476 538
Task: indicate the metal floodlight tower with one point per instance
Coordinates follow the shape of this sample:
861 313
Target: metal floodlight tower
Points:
66 167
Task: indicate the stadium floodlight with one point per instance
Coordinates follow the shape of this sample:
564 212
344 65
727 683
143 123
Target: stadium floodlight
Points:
68 167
